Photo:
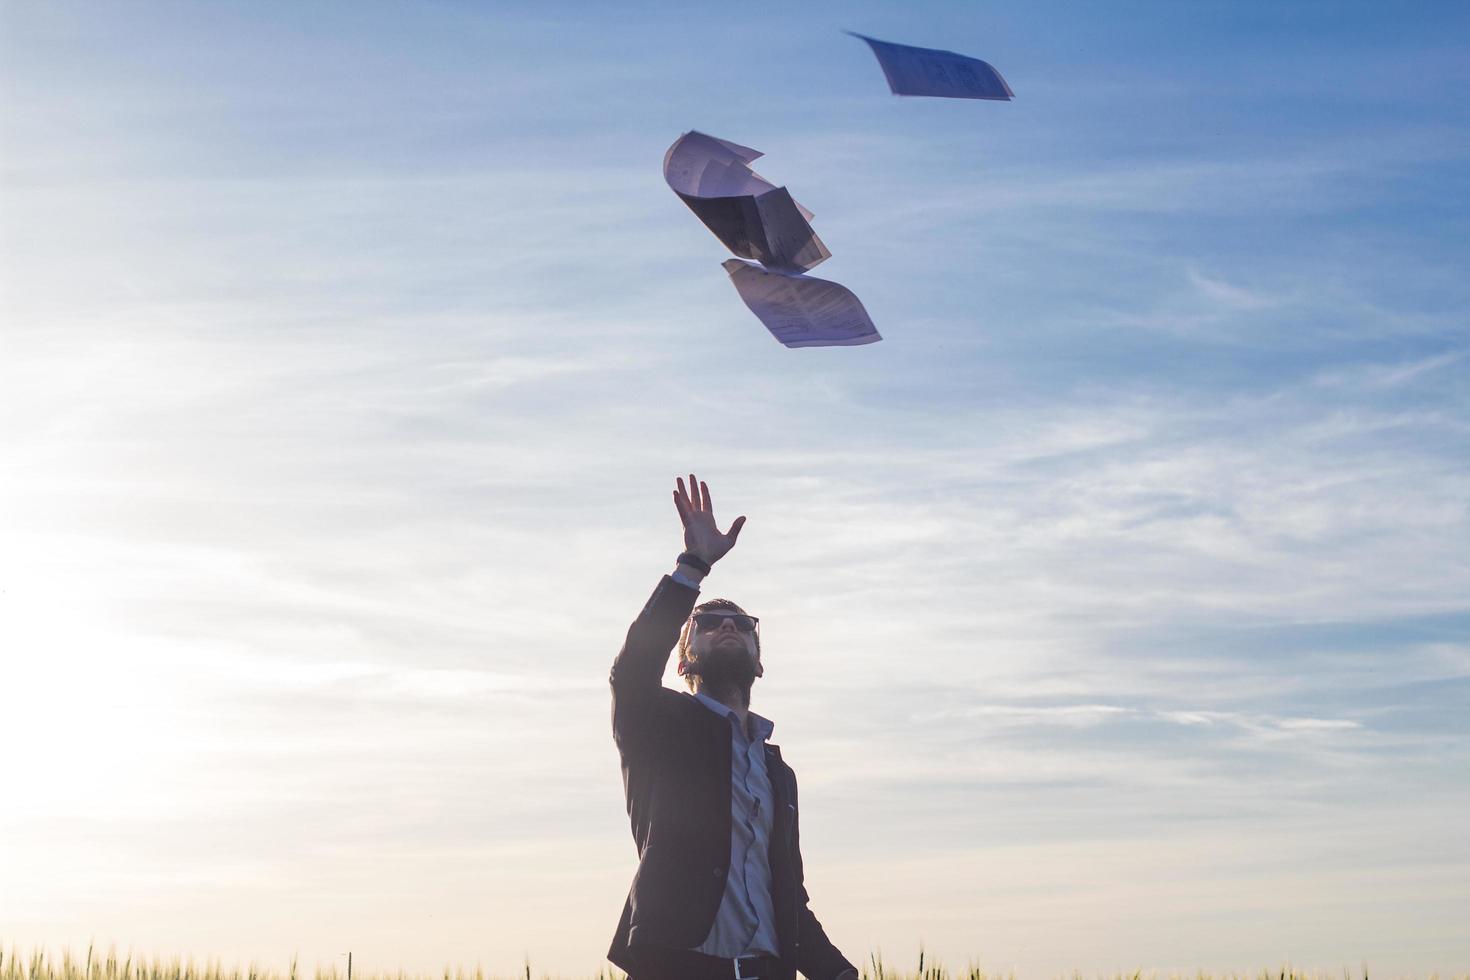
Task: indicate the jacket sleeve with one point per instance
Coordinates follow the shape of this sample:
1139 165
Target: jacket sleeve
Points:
637 672
817 958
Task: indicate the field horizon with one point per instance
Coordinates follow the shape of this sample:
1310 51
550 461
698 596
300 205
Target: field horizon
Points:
42 964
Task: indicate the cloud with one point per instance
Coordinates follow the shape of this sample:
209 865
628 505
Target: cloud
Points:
1261 725
1392 375
1228 295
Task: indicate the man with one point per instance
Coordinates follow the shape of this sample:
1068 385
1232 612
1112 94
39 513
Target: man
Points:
719 891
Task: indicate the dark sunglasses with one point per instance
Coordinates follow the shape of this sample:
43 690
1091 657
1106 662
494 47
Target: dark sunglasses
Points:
713 620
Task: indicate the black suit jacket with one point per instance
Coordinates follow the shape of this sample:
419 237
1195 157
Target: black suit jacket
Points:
676 779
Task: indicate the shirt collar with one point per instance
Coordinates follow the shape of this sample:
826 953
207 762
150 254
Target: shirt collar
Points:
763 726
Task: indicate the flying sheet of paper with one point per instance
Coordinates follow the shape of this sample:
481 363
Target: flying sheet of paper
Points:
752 217
927 71
801 311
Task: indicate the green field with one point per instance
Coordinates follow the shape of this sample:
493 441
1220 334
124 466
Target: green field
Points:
109 966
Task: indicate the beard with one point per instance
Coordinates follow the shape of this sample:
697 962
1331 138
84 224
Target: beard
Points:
727 669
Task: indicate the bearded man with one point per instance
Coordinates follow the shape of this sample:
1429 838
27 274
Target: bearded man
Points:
720 889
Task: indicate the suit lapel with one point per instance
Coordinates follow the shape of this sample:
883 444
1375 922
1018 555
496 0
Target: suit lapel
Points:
780 778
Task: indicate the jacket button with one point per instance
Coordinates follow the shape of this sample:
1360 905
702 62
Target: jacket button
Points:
719 872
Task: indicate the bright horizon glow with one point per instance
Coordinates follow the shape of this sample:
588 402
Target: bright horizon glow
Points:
1114 606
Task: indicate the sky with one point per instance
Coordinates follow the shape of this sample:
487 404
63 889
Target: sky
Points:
1115 607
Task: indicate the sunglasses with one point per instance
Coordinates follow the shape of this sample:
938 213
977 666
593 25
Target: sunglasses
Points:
713 620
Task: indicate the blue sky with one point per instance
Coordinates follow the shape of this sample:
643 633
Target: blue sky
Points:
1114 605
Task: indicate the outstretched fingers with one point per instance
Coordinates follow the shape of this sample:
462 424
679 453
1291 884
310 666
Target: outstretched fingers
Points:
734 531
681 500
694 493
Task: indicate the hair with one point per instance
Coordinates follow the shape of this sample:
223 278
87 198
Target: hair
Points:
713 605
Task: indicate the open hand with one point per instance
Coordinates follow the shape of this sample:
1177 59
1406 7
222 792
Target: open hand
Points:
702 536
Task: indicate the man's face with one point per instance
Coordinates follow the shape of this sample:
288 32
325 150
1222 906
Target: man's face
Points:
721 650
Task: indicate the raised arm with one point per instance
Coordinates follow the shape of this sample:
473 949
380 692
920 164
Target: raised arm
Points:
703 539
638 671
